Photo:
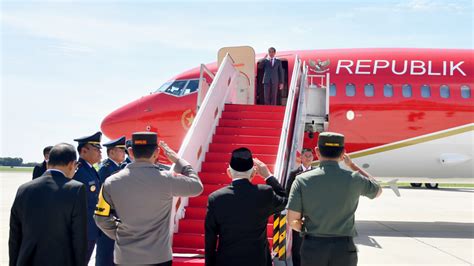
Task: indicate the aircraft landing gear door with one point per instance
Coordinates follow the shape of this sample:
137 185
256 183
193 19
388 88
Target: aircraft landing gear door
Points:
317 104
244 61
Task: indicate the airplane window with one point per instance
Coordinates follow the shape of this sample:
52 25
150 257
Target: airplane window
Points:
332 89
176 87
369 90
444 91
192 86
465 91
406 90
350 89
425 91
388 90
163 87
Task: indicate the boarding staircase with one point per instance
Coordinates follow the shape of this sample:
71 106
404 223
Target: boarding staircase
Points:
272 133
256 127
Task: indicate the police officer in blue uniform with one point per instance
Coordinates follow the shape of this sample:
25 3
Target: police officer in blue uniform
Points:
128 144
90 154
116 154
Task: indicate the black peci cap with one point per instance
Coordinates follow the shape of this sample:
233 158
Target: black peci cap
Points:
241 160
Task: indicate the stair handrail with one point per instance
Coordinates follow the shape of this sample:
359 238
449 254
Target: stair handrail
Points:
197 139
202 90
299 126
281 165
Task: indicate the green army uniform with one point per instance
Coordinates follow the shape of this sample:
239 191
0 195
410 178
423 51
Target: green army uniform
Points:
327 197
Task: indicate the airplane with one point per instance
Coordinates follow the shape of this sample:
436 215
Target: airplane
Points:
406 113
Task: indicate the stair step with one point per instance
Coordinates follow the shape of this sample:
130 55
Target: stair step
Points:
214 178
183 261
191 226
253 115
188 240
225 157
269 132
195 213
265 149
255 108
222 166
245 140
251 123
199 201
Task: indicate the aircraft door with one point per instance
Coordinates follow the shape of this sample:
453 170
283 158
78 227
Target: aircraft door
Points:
244 61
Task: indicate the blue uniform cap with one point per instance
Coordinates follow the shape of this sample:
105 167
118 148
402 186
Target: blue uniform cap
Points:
94 140
117 143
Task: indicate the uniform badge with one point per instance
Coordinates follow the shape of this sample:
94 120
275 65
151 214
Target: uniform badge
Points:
93 188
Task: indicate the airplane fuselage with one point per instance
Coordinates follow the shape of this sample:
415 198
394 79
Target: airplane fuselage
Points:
404 112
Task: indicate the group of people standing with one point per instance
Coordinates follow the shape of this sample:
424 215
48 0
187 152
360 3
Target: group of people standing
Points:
59 217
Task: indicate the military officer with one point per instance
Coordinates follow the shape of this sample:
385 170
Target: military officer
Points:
89 154
322 204
116 155
128 144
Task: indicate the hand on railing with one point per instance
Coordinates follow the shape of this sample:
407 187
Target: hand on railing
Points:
169 153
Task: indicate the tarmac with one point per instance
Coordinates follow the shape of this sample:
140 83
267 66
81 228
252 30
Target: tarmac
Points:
422 227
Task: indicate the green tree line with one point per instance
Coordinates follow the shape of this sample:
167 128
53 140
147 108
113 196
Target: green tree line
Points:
17 161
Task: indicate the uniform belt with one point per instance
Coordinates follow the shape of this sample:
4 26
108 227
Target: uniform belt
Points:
310 237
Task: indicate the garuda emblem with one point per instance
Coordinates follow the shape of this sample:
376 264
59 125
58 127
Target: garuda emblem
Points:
319 66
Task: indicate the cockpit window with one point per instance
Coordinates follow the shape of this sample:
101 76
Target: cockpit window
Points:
163 87
192 86
180 87
176 87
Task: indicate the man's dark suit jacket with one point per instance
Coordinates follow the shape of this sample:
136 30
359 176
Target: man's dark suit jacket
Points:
39 170
272 74
292 177
48 222
237 217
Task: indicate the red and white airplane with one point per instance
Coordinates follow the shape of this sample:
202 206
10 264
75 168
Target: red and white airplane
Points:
406 113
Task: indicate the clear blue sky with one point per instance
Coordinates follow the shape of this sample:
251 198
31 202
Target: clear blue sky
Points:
66 64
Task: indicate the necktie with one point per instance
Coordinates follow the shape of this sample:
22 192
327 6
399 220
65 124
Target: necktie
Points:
273 61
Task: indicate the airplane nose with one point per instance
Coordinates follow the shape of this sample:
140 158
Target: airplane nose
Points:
122 121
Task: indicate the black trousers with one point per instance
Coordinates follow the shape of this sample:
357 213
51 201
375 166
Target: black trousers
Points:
270 92
90 249
328 251
104 251
295 248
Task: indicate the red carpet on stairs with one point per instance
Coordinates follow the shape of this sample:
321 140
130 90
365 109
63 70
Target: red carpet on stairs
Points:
257 127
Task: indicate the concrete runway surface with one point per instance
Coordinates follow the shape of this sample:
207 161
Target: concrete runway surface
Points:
423 227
